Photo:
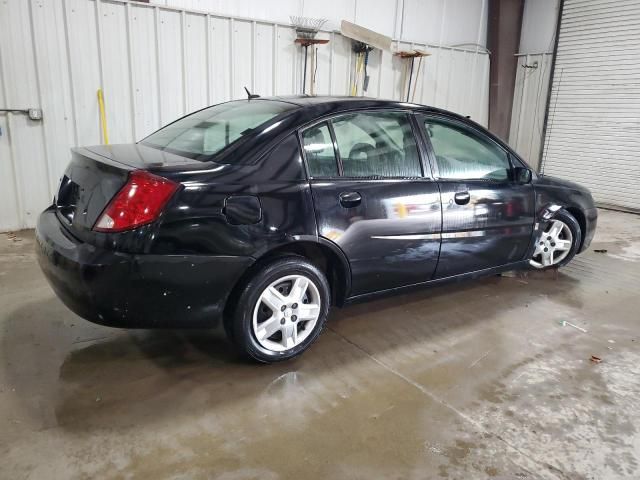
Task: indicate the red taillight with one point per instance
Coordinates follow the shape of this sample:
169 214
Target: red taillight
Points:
140 201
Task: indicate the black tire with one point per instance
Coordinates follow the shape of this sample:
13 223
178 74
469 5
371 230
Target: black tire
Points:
576 232
239 326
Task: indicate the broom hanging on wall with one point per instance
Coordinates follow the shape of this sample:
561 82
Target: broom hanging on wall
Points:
306 31
411 56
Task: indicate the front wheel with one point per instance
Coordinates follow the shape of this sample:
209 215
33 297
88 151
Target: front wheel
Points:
281 311
558 242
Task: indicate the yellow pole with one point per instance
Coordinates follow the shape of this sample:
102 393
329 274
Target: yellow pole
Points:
355 77
103 117
354 85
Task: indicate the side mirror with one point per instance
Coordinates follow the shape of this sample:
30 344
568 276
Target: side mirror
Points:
521 175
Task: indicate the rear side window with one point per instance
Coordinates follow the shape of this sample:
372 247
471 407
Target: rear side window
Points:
208 131
465 154
318 148
377 144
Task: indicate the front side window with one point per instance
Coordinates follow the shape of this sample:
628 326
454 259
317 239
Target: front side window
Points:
318 149
377 144
206 132
464 154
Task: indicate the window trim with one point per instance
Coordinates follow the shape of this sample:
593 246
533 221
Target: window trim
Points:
425 173
424 146
303 152
336 150
423 117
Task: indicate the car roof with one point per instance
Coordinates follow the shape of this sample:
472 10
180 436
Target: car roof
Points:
316 106
304 100
348 102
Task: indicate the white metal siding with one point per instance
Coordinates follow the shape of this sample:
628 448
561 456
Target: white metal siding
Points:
529 100
156 63
593 127
440 22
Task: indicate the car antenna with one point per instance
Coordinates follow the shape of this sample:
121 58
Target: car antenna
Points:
250 95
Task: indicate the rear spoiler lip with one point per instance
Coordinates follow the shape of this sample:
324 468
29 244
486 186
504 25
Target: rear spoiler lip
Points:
97 153
87 152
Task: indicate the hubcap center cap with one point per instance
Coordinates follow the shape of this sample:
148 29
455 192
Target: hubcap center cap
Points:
287 313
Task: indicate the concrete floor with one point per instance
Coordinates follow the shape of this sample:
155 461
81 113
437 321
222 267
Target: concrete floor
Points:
473 380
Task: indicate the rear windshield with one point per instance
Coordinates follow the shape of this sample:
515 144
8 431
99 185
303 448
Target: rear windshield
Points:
206 132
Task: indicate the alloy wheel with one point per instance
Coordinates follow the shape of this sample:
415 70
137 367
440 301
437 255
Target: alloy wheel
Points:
286 313
553 245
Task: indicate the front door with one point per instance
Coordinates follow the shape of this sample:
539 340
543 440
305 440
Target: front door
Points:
487 218
372 199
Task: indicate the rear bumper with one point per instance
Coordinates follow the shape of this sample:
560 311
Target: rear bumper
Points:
131 290
591 221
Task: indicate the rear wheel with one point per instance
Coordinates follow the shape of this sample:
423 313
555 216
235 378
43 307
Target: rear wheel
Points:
281 311
558 242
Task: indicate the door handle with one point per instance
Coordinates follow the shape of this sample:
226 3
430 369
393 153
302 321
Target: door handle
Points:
350 199
462 198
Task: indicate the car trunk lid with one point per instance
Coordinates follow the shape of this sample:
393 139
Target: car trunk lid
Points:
96 174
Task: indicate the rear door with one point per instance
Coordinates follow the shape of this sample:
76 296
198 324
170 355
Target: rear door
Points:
372 199
487 218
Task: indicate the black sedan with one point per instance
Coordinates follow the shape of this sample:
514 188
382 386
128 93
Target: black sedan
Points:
264 212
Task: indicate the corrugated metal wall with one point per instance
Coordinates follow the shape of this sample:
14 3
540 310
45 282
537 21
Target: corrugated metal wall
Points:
529 101
156 63
593 127
440 22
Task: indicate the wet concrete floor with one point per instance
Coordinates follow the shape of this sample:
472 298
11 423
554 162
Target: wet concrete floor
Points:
474 380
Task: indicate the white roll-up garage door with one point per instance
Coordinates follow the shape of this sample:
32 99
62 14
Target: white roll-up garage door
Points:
593 125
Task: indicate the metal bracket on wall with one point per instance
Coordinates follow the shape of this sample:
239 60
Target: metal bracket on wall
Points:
33 113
